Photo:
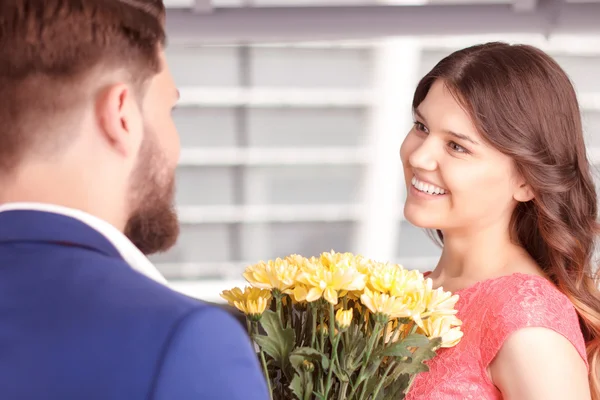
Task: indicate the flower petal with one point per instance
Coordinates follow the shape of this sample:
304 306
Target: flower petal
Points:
314 293
331 295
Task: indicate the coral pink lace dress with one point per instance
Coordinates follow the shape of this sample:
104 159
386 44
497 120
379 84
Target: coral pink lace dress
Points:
491 310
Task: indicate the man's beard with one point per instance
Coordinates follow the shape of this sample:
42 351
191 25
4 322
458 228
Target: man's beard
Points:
153 225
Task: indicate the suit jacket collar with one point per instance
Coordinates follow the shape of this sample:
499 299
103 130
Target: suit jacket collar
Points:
111 235
43 226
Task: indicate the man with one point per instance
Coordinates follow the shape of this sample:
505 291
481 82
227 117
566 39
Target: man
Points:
88 150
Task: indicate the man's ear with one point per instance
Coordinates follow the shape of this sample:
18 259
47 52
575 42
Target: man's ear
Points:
524 193
120 118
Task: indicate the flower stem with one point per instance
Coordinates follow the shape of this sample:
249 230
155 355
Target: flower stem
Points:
290 311
383 378
313 311
264 365
366 359
343 390
321 342
322 333
331 365
279 310
335 339
331 323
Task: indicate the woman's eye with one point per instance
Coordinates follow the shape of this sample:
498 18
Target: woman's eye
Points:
420 127
457 147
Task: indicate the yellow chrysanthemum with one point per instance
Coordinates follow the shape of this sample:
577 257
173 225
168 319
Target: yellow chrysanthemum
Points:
382 277
252 301
333 260
301 262
343 318
300 292
274 274
445 327
435 303
382 303
328 282
439 302
365 265
395 280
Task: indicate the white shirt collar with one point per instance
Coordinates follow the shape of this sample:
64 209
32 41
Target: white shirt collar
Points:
130 253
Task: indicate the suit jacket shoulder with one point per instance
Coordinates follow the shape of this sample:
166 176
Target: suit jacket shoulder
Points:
76 322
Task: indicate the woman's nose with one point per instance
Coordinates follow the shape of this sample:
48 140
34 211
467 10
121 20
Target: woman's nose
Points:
425 155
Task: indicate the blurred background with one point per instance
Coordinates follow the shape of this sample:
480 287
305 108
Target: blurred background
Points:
293 111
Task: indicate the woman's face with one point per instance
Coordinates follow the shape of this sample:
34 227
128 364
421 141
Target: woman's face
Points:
455 181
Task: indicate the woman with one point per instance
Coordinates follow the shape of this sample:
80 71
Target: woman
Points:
496 165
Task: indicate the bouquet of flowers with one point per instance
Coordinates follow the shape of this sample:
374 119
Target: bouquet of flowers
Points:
340 326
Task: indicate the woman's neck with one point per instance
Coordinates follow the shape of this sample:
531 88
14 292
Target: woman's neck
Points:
471 257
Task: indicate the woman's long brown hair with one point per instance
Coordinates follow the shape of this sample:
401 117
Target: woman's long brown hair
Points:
525 106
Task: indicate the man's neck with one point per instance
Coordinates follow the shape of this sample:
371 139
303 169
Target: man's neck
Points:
66 190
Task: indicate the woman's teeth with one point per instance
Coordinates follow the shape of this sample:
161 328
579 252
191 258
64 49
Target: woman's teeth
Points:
426 187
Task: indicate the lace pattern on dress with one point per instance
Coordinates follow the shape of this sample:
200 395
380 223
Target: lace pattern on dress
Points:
492 310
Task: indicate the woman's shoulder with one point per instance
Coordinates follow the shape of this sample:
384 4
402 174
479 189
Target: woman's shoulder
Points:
518 301
523 300
528 296
518 296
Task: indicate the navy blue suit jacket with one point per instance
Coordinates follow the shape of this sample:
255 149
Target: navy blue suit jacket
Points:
77 323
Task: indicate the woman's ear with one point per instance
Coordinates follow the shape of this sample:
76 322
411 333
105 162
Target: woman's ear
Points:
524 193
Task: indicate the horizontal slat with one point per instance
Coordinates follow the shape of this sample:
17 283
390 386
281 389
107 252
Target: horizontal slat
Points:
561 44
274 156
208 290
290 156
200 270
273 97
269 213
299 97
589 101
277 24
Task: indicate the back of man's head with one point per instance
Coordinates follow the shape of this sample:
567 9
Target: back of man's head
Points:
85 112
50 51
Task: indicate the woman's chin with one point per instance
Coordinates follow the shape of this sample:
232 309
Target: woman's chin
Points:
420 220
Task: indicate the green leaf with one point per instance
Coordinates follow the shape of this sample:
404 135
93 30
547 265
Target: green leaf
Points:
416 340
400 348
308 353
279 342
415 364
302 386
297 387
372 368
372 383
398 387
423 354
